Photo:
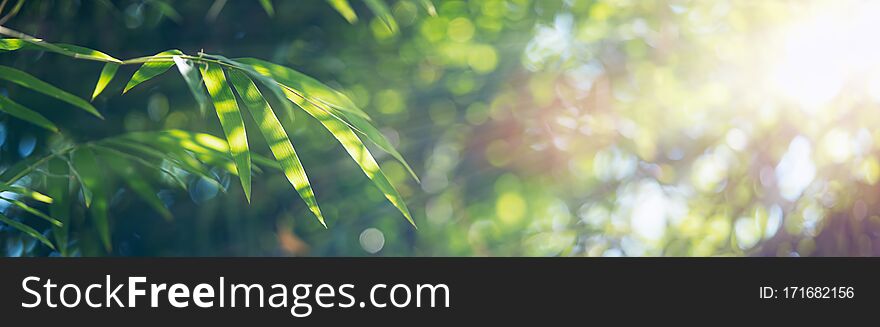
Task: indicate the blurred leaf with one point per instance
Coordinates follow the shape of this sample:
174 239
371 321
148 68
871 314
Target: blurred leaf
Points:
381 10
26 229
135 181
21 112
58 187
429 7
267 6
21 168
344 9
8 44
12 12
106 76
231 121
277 139
193 80
357 151
143 162
152 68
177 155
168 10
90 176
24 79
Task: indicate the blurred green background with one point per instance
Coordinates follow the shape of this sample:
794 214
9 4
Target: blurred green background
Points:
538 128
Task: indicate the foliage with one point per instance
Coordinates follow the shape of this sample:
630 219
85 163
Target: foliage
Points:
577 128
175 153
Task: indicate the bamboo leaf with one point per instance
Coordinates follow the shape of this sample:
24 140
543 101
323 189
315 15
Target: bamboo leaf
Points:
375 136
178 157
58 186
21 169
27 230
142 161
24 79
307 87
208 148
31 210
90 176
357 151
277 138
231 121
267 6
269 83
21 112
70 50
344 9
135 181
82 52
152 68
381 10
106 76
25 192
193 80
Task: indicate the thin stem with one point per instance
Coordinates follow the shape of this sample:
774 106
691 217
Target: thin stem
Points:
37 163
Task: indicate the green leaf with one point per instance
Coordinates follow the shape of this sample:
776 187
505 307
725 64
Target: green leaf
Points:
21 169
167 10
329 99
375 136
14 10
11 44
84 53
70 50
176 155
206 147
106 76
24 79
85 169
268 82
429 7
344 9
277 139
25 192
304 85
193 80
267 6
90 176
152 68
231 121
357 151
21 112
58 187
381 10
27 230
135 181
154 166
31 210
